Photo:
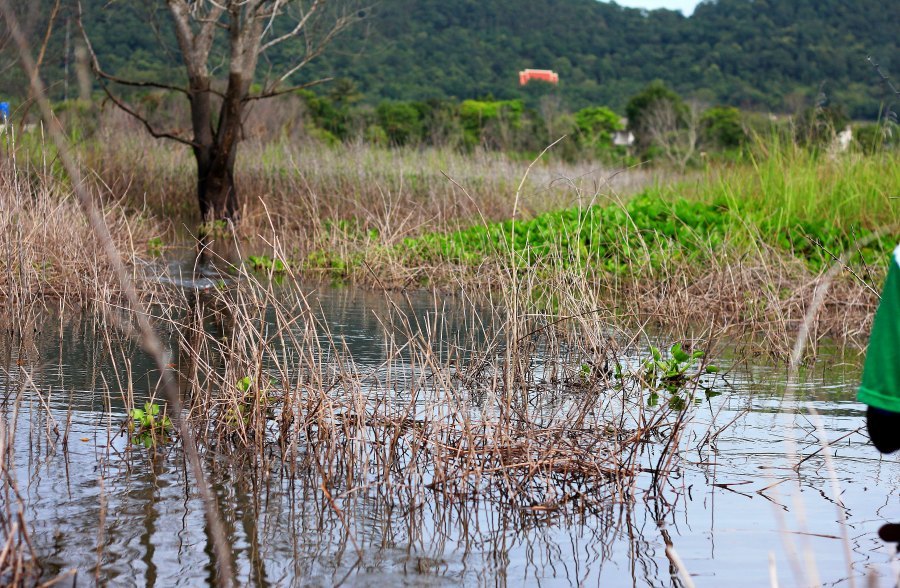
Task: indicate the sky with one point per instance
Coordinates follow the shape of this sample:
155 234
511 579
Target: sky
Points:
686 6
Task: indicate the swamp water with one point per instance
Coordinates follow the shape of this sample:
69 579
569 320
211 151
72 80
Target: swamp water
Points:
733 509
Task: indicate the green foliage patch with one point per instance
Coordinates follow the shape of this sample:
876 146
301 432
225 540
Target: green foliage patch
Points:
264 263
647 232
149 425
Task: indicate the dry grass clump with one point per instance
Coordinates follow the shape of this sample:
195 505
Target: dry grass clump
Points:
758 292
513 403
303 188
19 565
764 300
47 249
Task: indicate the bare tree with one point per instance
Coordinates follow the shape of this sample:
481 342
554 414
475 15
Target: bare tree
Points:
674 131
231 36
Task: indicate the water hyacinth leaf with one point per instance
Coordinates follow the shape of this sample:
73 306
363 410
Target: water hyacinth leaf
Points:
711 369
679 354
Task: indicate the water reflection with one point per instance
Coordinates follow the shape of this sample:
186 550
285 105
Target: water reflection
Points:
123 516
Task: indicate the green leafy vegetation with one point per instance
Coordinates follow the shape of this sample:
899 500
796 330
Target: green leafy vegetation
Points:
149 425
596 126
759 54
264 263
155 246
647 232
250 396
681 376
777 200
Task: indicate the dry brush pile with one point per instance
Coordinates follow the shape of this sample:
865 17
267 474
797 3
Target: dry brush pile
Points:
509 404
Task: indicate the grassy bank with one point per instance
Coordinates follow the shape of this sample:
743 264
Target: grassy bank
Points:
301 188
741 243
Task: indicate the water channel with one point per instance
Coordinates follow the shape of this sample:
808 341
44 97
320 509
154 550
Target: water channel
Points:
737 512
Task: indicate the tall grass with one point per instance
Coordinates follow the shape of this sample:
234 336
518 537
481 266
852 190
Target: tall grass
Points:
522 407
47 249
295 185
743 246
786 183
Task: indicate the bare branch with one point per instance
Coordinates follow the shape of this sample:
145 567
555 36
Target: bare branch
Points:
181 16
136 84
102 77
195 48
147 125
287 90
53 14
276 10
98 70
315 50
675 133
296 30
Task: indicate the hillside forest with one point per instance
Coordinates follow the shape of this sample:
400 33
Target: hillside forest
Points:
757 55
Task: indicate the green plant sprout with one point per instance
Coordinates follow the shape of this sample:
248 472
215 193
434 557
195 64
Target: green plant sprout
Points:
155 246
266 264
147 427
679 376
241 413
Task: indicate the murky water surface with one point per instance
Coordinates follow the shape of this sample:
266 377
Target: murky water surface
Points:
736 511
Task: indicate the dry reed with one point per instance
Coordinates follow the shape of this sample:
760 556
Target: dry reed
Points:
48 249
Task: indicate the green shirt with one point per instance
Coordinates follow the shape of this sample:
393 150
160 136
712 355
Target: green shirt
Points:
881 375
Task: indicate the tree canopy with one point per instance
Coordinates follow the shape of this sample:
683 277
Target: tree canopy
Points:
761 54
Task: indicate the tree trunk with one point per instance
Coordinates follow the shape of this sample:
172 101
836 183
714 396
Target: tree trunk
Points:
216 193
216 152
219 209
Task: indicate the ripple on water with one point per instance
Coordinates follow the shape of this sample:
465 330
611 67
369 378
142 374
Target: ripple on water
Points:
737 499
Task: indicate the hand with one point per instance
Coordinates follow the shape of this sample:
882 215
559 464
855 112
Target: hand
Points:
890 533
884 429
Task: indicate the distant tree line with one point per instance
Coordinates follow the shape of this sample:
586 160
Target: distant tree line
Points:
783 56
661 123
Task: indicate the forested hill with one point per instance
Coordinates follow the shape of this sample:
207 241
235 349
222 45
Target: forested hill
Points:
766 54
756 53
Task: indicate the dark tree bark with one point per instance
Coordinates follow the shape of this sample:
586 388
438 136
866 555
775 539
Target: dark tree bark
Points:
249 27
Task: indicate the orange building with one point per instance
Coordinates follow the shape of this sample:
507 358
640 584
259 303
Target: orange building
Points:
544 75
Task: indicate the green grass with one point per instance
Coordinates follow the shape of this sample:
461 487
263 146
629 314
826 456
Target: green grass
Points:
790 184
648 231
809 206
